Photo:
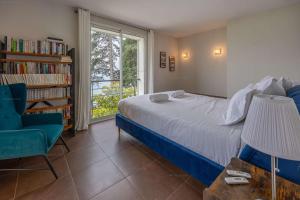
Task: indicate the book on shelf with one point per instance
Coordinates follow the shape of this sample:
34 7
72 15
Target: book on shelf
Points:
48 80
34 68
48 93
52 46
36 79
65 59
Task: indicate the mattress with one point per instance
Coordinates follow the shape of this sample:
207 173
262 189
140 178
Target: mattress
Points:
194 121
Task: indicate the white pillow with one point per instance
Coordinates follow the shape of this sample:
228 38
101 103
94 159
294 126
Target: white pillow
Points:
270 85
239 105
285 83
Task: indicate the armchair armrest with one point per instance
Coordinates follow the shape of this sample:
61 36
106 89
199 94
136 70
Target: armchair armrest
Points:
39 119
22 143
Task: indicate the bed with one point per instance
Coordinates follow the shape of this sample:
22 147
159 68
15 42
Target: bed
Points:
189 133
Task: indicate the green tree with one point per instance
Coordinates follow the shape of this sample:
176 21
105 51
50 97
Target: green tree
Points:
129 47
105 53
107 103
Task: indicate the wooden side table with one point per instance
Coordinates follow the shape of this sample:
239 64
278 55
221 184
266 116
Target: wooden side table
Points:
258 188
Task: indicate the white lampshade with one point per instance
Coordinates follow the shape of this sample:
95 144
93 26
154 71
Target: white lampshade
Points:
272 126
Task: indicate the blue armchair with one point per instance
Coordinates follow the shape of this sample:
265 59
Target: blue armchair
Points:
26 135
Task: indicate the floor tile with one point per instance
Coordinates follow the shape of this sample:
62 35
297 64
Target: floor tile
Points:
57 151
185 192
154 182
112 146
80 140
96 168
122 190
100 133
9 164
59 164
84 157
7 185
195 184
62 189
96 178
33 180
30 181
174 170
130 160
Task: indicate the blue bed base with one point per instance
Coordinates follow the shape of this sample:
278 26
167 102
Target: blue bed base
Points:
196 165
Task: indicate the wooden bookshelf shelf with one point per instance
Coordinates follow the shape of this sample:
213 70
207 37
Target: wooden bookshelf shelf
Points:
33 60
32 110
48 86
48 99
30 54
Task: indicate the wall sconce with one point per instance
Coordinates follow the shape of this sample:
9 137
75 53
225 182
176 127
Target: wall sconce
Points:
218 52
185 55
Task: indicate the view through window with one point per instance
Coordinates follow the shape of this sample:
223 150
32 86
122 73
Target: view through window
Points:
117 66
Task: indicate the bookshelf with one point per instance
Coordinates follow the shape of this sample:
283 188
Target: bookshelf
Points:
28 54
48 86
35 61
48 99
47 67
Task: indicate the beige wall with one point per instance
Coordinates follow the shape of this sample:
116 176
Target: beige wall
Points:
163 78
264 44
203 72
33 19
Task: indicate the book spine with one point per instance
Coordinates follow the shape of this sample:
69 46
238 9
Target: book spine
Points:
39 46
8 43
12 45
5 43
17 45
51 48
21 46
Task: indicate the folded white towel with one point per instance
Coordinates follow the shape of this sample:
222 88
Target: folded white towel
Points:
178 94
159 97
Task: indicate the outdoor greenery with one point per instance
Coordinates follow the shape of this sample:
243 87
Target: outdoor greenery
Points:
107 104
105 54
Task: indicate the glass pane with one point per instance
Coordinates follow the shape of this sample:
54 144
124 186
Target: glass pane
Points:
132 63
105 55
105 98
105 73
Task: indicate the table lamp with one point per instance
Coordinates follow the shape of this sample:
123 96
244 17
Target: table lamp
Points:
272 126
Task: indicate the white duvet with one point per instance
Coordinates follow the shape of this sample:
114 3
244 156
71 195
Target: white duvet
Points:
193 121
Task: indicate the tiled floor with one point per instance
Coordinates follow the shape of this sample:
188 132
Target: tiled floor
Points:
100 167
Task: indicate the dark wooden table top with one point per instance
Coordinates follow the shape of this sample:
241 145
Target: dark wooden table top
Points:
258 188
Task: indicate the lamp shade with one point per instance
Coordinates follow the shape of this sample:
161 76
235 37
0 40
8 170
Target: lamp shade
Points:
272 126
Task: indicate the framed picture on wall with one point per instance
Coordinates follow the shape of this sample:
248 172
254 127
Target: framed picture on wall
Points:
163 59
171 63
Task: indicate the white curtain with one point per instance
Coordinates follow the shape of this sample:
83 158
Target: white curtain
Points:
150 61
83 98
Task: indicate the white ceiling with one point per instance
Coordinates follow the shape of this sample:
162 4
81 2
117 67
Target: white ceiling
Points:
177 17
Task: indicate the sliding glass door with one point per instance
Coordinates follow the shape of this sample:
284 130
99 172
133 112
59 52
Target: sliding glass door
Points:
117 70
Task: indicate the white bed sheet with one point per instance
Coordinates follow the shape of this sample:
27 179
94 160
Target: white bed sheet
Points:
193 121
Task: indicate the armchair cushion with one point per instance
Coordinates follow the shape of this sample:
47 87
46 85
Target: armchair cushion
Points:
52 131
22 143
9 118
